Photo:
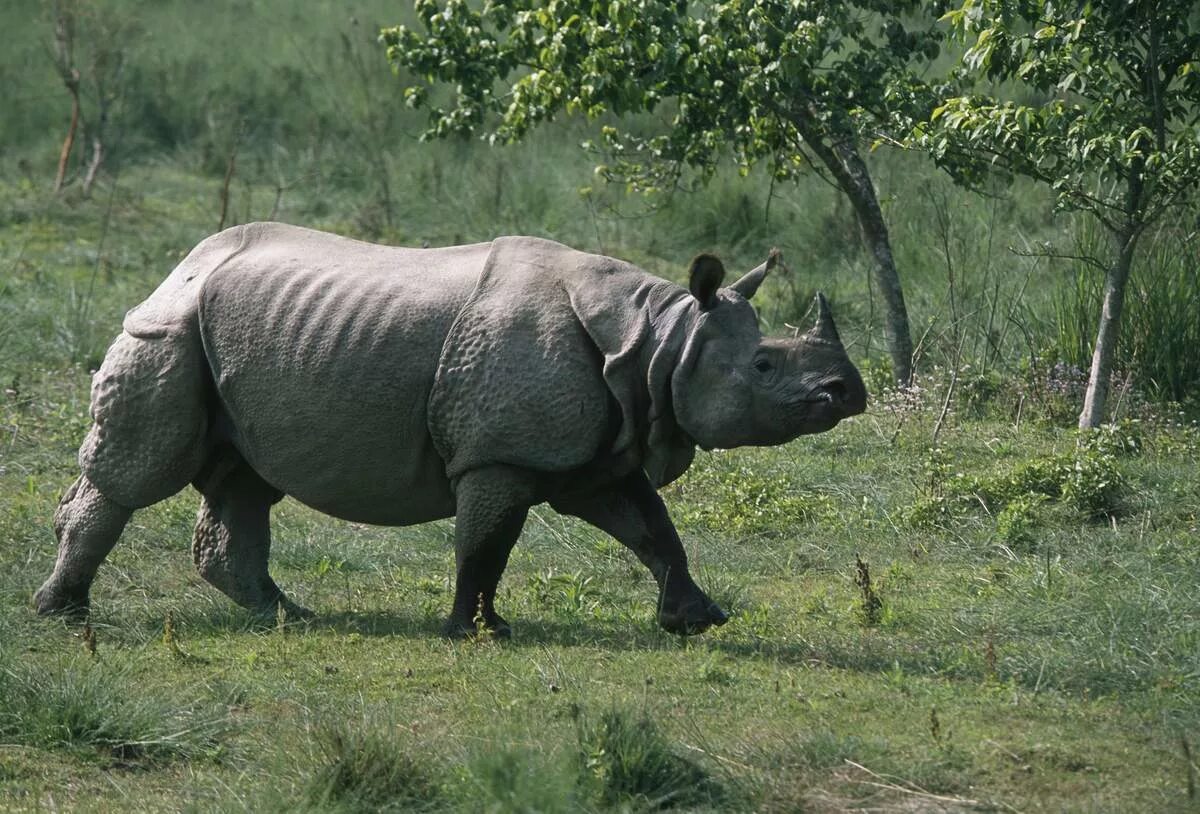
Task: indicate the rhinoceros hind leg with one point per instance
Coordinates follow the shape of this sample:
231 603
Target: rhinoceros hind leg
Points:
632 512
492 504
232 540
87 525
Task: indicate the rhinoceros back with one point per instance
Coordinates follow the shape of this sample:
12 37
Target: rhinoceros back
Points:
323 351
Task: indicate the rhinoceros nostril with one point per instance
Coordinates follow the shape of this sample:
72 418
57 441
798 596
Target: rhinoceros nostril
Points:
834 390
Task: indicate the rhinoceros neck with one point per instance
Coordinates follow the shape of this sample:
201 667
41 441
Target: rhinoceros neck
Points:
671 315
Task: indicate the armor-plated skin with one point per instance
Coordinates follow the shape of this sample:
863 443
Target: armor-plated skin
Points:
395 386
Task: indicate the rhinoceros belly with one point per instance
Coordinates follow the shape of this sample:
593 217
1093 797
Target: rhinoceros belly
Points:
323 354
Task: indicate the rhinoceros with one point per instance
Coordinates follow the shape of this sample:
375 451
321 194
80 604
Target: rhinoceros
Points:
394 386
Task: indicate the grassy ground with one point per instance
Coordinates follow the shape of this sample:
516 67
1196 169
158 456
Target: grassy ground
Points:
1032 643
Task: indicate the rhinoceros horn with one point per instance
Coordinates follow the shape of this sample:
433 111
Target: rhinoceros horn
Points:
824 330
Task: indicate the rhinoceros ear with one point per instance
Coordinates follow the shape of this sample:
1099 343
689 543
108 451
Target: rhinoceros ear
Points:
705 278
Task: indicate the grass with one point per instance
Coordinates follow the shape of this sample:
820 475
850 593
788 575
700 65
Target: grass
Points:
1061 668
1032 643
85 705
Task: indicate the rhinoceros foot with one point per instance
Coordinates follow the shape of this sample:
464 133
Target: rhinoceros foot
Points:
690 613
51 600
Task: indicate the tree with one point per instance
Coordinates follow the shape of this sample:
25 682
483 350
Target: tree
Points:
103 38
792 84
1114 129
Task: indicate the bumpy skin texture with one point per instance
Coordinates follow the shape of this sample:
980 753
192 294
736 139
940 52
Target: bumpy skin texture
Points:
395 386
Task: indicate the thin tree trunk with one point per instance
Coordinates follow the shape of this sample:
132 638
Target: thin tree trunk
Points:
1096 398
64 62
852 176
64 156
230 168
94 166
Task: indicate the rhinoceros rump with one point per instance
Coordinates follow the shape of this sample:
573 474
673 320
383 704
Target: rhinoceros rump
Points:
395 386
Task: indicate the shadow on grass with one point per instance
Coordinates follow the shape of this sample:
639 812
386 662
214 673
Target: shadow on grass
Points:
867 653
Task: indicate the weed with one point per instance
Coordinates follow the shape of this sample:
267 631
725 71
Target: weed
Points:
89 639
1017 522
736 499
1089 479
571 593
870 606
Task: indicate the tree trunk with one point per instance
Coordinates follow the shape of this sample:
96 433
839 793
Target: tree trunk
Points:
94 166
852 176
1096 398
69 142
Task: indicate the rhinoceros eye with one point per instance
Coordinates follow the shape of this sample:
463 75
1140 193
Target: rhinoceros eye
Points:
762 364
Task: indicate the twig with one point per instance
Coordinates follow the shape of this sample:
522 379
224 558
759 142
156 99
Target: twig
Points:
229 170
715 756
1055 255
1191 767
85 307
937 427
909 788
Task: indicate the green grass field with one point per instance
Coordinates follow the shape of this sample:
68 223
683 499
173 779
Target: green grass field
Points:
1028 638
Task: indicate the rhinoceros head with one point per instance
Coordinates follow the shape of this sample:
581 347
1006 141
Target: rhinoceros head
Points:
733 387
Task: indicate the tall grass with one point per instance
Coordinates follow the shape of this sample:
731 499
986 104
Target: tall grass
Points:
1160 325
369 769
84 703
627 760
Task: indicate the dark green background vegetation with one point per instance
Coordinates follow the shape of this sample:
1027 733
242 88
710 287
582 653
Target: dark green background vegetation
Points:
1033 642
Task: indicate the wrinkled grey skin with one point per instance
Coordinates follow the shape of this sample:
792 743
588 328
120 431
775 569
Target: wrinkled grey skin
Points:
395 386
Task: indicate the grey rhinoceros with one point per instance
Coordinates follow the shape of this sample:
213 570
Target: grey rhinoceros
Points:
393 386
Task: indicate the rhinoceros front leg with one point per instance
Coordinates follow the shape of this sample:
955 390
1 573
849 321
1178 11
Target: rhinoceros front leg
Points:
232 540
492 504
633 513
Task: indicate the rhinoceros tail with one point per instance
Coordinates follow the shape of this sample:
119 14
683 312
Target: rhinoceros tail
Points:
173 306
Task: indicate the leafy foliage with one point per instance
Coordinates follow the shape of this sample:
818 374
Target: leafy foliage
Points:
1114 88
790 84
758 78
